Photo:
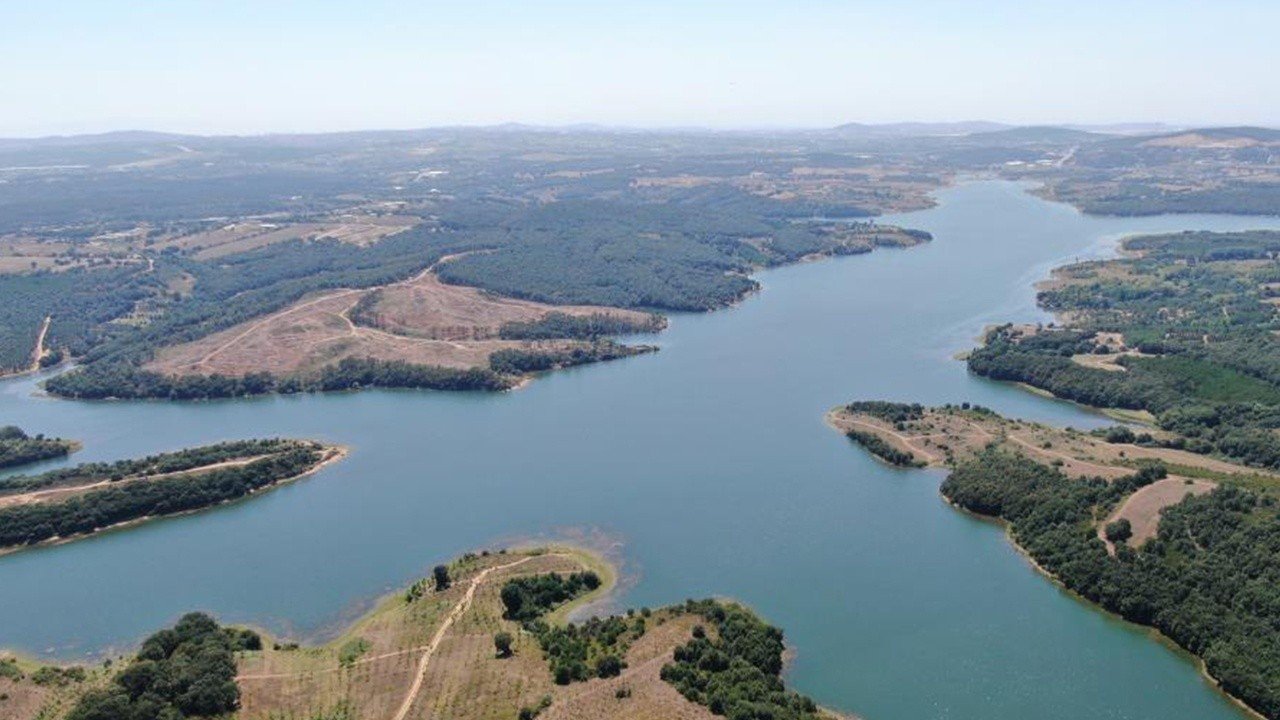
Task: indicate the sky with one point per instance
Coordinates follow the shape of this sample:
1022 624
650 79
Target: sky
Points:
239 67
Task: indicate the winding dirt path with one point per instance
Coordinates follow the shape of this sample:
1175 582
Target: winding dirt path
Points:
904 439
37 353
1106 470
463 605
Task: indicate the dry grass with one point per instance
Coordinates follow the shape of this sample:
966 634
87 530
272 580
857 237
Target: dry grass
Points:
421 321
23 699
463 678
1142 509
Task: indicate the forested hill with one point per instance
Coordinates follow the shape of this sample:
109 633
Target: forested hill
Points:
1186 329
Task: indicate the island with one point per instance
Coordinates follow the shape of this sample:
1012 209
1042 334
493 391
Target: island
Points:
487 635
19 448
72 503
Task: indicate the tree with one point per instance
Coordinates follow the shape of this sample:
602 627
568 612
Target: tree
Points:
502 643
608 666
1119 531
441 575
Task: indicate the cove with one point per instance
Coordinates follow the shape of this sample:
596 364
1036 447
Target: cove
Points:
708 463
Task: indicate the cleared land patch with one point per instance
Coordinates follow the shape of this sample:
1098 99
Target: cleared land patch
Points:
421 321
1142 508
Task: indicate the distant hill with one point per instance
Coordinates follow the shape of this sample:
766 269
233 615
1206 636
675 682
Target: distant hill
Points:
1036 134
918 129
1216 138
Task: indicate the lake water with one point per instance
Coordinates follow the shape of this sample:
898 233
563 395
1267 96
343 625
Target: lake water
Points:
707 465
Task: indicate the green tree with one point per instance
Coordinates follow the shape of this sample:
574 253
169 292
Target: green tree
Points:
441 575
502 643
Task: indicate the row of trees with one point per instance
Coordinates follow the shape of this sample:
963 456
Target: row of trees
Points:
1209 580
558 325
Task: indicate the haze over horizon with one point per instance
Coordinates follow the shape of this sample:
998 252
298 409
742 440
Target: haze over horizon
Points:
76 67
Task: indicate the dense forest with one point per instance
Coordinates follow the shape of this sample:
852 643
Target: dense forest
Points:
737 671
79 301
187 671
19 448
125 381
1208 580
1200 346
96 509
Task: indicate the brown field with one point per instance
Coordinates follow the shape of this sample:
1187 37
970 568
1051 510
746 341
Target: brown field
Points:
1142 509
421 321
945 437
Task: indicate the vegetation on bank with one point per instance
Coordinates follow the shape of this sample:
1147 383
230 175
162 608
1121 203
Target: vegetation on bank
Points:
19 448
519 361
575 652
98 508
161 463
890 412
187 671
877 446
1199 340
1208 580
736 671
123 381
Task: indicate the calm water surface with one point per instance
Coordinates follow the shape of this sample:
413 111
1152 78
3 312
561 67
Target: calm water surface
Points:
708 465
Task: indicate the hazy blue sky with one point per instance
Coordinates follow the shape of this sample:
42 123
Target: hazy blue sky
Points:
246 67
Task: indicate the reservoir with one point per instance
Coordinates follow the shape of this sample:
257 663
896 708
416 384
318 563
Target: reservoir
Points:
705 468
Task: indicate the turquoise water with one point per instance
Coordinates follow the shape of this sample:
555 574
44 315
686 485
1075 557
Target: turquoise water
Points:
707 466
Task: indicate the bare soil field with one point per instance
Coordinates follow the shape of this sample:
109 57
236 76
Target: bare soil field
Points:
421 321
1142 509
428 308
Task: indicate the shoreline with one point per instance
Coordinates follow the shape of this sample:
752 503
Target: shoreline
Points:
1148 630
337 453
831 420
